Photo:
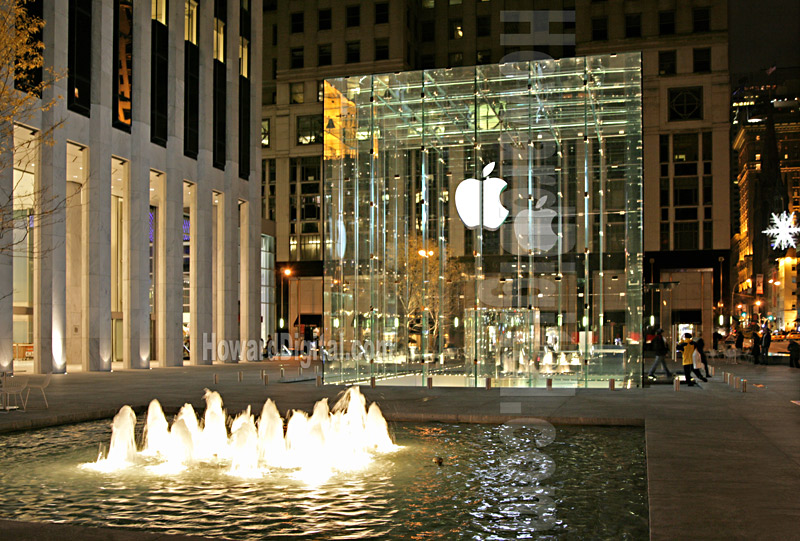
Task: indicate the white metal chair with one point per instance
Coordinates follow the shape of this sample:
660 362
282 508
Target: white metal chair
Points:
41 386
14 387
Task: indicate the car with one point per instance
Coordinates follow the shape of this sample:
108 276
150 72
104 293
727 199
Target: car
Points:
793 335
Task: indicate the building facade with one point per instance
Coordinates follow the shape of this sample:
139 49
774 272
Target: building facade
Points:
150 252
686 113
767 149
306 42
686 132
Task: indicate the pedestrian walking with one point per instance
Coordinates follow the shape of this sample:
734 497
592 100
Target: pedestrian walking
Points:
766 340
794 354
687 348
739 344
700 346
755 349
660 349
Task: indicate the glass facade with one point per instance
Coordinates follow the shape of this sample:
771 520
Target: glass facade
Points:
485 222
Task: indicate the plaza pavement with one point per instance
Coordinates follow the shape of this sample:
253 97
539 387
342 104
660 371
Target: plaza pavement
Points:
721 463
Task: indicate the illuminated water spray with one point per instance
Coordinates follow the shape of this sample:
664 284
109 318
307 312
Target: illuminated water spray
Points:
317 446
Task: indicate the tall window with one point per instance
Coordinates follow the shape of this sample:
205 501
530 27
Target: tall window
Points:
296 93
324 19
159 72
353 15
633 25
296 22
382 49
26 77
456 29
701 59
244 57
483 26
191 85
600 29
219 40
667 62
219 94
382 12
122 82
324 55
79 79
666 22
245 121
353 52
701 19
296 58
190 21
265 133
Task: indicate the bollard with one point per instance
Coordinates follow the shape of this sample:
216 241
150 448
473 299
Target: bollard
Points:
430 382
736 383
549 384
319 381
216 379
713 372
611 384
488 383
744 385
676 384
240 376
265 377
372 382
316 369
281 372
299 370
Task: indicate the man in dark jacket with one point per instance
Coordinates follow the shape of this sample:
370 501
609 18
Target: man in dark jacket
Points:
660 349
755 349
794 354
766 340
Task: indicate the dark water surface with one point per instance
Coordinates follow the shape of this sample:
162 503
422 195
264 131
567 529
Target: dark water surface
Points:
488 487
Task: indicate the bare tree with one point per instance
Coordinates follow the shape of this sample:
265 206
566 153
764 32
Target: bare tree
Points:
431 290
25 93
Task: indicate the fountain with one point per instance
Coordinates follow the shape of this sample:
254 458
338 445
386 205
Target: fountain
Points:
316 447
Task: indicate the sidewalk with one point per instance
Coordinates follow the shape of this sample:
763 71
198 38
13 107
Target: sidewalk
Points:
721 463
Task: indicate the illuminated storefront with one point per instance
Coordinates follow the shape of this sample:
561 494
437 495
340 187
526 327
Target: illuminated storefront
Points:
541 281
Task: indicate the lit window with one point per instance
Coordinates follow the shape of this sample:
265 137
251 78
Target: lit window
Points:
219 40
244 57
309 129
190 22
265 133
456 29
296 94
158 11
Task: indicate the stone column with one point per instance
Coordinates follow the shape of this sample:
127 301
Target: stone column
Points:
200 275
96 203
49 260
170 224
6 258
229 204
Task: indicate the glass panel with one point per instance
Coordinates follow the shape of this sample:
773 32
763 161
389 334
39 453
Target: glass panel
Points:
541 281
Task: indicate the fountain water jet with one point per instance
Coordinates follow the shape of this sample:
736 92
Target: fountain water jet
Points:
343 438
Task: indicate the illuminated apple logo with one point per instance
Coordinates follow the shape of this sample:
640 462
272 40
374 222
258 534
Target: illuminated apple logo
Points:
468 197
534 228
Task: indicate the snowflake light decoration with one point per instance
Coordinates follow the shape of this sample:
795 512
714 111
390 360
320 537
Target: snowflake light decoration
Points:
783 230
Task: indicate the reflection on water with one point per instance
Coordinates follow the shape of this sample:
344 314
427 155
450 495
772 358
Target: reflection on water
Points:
598 485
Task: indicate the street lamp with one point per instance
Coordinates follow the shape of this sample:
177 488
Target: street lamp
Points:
287 271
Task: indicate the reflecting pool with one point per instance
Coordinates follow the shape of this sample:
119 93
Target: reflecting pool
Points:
588 482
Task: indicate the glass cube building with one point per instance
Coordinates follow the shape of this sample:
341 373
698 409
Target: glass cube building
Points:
485 222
